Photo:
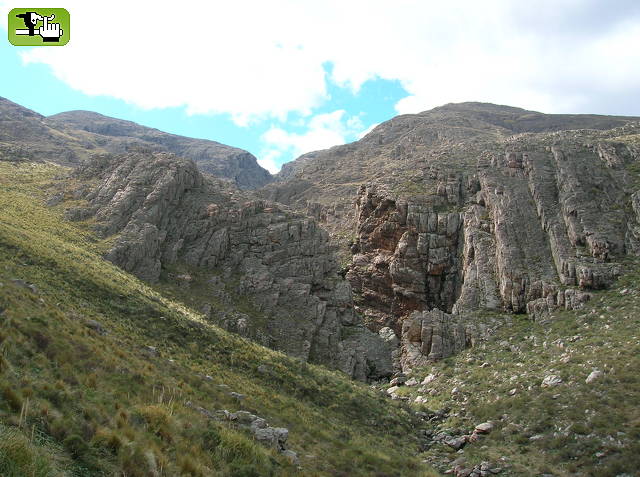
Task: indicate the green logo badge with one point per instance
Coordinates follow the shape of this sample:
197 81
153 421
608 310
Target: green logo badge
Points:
38 26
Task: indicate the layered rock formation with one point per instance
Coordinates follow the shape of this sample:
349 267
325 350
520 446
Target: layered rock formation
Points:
406 244
162 211
405 256
474 209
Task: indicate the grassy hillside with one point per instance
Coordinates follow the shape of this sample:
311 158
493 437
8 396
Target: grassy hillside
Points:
76 401
575 428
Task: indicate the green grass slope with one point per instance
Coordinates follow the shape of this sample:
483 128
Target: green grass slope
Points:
575 428
76 402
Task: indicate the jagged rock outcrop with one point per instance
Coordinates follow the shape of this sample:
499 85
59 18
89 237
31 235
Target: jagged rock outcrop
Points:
474 208
526 227
163 211
405 257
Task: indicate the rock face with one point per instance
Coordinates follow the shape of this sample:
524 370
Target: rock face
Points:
431 335
529 231
405 257
470 209
162 211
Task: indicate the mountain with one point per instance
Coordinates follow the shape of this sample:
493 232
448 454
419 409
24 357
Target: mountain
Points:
70 137
25 136
227 252
476 264
488 233
390 151
115 135
473 207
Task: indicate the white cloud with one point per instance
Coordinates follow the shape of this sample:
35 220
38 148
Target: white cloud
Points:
258 59
322 131
268 161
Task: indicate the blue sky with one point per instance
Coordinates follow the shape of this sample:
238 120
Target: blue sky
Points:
34 86
283 77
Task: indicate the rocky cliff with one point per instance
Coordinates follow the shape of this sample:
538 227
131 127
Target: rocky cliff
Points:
162 212
471 209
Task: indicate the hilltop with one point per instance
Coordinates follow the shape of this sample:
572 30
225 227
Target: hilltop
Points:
69 138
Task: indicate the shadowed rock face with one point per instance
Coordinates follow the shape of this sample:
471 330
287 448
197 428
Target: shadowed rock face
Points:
162 211
473 208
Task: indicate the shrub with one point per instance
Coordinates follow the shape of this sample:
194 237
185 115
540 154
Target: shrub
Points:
138 460
109 439
210 439
158 421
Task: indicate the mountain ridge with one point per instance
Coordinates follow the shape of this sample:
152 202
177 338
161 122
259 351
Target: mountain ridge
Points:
211 156
70 137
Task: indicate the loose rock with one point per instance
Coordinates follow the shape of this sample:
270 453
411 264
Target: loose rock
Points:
595 374
551 380
96 326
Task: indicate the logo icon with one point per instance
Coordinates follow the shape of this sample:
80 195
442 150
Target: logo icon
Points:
36 26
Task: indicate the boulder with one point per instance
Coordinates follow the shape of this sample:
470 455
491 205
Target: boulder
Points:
428 379
291 456
272 436
398 381
594 375
411 382
551 381
484 428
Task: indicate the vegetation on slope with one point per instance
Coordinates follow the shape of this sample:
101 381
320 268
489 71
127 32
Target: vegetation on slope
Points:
574 428
76 401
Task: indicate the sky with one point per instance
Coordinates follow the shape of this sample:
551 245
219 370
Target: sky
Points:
285 77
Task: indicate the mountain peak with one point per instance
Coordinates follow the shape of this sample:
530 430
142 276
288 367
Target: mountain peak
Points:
68 138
